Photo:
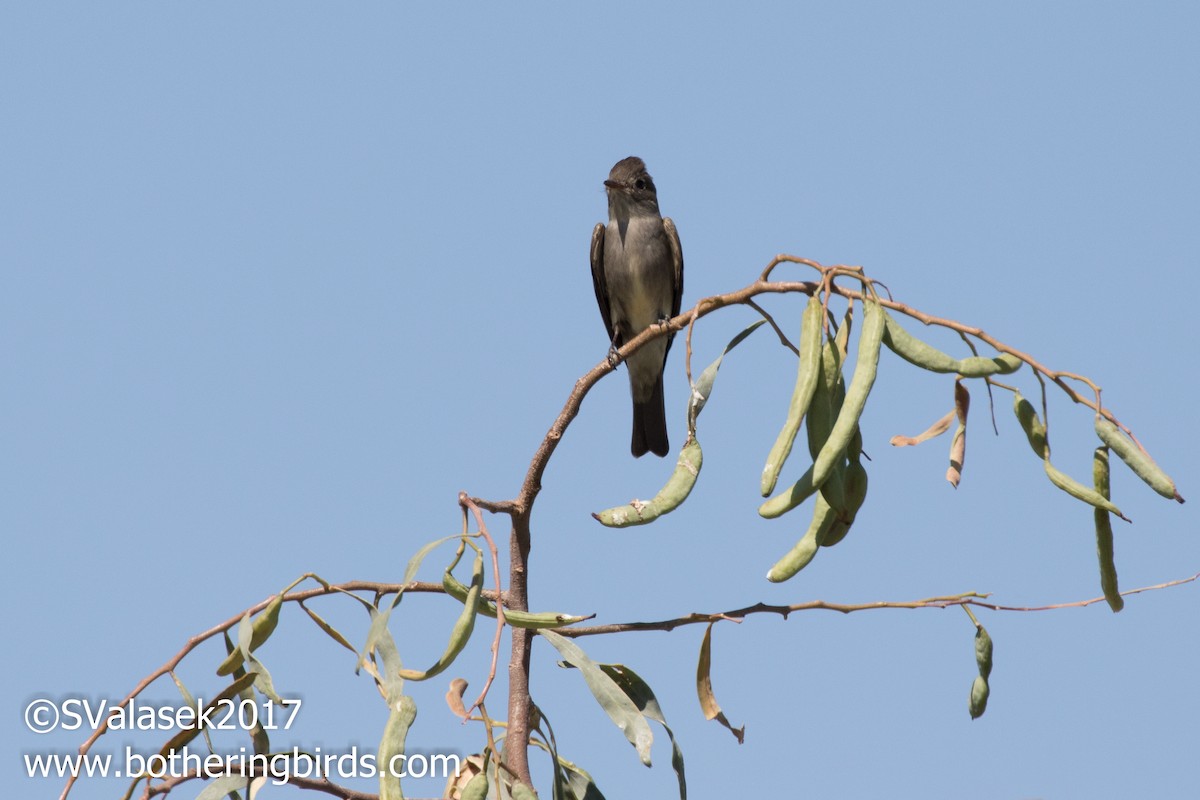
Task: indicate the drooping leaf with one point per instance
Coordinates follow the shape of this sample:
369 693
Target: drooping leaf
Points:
704 690
620 709
702 388
643 697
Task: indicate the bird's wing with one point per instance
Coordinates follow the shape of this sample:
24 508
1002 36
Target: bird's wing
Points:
598 281
677 265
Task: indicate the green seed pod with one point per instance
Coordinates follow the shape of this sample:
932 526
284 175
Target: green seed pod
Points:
983 651
676 490
391 745
1142 465
476 788
833 451
460 633
1104 534
925 356
1035 431
856 495
982 366
806 383
261 628
518 619
798 557
521 791
979 697
1079 491
916 352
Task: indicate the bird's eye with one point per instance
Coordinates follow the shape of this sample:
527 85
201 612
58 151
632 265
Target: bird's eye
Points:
639 183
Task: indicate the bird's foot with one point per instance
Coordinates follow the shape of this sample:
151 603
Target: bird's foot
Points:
614 357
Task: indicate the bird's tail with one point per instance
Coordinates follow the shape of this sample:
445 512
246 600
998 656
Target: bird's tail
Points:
650 424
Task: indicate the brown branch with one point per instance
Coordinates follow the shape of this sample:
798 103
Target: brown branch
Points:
783 339
738 614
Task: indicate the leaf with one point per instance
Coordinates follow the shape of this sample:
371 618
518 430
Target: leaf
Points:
223 787
414 563
381 643
262 680
704 690
190 701
620 709
643 697
702 388
329 629
958 447
454 697
252 635
185 735
579 782
936 429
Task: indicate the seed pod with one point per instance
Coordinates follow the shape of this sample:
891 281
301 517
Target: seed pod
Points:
1104 534
827 404
674 492
916 352
1142 465
1079 491
261 628
983 651
979 697
518 619
808 372
833 451
856 495
925 356
1035 432
982 366
476 788
798 557
521 791
460 633
391 745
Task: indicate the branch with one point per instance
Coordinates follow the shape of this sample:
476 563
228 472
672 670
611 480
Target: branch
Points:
380 590
737 615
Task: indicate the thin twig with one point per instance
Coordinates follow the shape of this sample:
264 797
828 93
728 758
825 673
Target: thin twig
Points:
466 502
736 615
771 321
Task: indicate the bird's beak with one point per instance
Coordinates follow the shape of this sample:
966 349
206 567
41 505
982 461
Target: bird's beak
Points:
614 185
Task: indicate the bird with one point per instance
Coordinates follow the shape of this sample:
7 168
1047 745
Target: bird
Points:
637 272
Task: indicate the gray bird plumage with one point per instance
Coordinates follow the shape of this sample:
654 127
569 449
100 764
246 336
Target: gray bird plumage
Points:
637 271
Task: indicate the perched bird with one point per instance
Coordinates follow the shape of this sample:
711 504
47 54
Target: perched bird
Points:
637 270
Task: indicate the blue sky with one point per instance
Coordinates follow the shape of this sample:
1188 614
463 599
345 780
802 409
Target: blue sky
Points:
281 279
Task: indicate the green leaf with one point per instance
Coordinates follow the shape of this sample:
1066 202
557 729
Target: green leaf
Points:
185 735
223 787
702 388
190 701
329 629
620 709
381 643
637 690
414 563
